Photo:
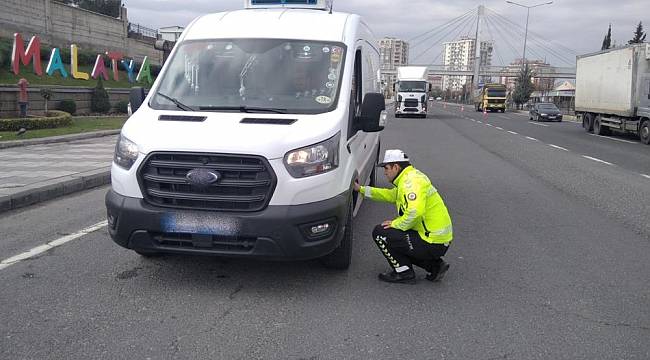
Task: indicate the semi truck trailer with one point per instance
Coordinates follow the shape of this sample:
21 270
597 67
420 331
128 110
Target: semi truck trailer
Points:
613 91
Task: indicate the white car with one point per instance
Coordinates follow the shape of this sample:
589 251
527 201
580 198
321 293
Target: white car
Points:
250 140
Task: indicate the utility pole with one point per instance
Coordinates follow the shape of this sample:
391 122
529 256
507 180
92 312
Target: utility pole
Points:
477 46
523 60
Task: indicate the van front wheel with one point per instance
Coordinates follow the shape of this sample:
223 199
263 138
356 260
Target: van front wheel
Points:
341 257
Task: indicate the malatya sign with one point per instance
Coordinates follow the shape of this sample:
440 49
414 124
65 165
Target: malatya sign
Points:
33 55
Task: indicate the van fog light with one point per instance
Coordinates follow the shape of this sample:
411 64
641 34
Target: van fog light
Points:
319 229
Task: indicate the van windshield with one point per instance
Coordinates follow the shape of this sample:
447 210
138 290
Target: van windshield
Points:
413 86
252 75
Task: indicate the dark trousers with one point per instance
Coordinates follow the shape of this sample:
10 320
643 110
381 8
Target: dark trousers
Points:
406 248
23 108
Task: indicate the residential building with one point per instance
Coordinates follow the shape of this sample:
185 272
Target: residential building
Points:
393 53
171 33
541 84
460 55
435 81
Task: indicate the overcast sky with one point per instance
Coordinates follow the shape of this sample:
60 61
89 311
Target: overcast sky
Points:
577 25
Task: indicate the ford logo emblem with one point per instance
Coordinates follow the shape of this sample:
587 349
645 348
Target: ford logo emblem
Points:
202 178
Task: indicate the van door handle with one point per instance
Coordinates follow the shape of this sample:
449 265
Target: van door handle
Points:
348 147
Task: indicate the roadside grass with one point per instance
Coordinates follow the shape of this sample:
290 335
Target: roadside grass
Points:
80 124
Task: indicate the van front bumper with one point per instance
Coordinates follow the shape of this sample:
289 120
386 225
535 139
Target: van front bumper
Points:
275 233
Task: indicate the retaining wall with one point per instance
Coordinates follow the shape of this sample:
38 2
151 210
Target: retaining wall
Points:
9 99
60 25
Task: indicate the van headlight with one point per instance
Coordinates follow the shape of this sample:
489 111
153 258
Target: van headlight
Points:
315 159
126 152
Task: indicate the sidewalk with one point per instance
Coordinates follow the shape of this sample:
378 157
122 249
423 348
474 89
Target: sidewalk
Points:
34 173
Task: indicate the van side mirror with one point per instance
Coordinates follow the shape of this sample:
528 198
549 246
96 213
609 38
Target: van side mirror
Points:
371 110
136 98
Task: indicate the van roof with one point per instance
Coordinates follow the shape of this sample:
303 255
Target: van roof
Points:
272 23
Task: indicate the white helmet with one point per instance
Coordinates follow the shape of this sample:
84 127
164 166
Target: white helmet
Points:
393 156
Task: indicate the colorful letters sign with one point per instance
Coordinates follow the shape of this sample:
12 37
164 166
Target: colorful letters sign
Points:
33 54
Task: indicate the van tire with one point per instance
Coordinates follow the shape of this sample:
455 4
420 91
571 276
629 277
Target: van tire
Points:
644 132
373 173
341 257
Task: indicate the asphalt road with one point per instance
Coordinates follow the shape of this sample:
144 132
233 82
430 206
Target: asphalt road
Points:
550 261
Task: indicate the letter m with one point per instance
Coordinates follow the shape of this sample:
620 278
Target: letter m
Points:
33 53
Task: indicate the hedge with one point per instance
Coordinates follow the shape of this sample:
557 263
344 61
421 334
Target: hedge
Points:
122 107
68 105
54 119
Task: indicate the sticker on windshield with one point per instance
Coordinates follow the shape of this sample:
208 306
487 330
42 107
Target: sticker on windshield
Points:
329 85
306 49
323 99
331 77
326 50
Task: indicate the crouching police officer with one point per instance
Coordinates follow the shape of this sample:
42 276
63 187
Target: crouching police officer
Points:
422 232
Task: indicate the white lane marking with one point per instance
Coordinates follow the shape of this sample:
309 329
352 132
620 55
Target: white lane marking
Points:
558 147
596 159
489 125
50 245
646 176
479 121
513 133
534 123
500 128
531 138
615 139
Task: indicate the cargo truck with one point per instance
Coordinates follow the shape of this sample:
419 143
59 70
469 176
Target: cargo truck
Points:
613 91
411 91
490 97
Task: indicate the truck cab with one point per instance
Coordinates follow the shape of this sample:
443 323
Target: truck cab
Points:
411 91
250 140
490 97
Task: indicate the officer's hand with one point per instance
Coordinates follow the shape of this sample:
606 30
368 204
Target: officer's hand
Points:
357 187
386 224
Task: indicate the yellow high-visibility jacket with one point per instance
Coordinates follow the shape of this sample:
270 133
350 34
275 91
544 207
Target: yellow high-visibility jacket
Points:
419 206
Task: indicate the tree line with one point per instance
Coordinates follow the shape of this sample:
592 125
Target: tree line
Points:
639 37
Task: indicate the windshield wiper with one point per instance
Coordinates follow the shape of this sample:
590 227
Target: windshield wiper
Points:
244 109
179 104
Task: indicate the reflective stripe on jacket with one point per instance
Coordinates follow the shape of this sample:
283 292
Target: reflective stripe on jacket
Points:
419 206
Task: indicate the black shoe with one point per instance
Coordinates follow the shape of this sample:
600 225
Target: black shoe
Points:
438 275
404 277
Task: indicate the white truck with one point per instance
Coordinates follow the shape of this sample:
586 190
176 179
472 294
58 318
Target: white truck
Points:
411 91
613 91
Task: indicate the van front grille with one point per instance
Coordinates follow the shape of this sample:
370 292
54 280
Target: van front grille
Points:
245 182
204 242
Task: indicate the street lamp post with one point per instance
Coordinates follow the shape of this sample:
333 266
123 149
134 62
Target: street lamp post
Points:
523 60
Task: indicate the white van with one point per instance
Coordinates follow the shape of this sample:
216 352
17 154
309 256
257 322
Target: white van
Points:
250 139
